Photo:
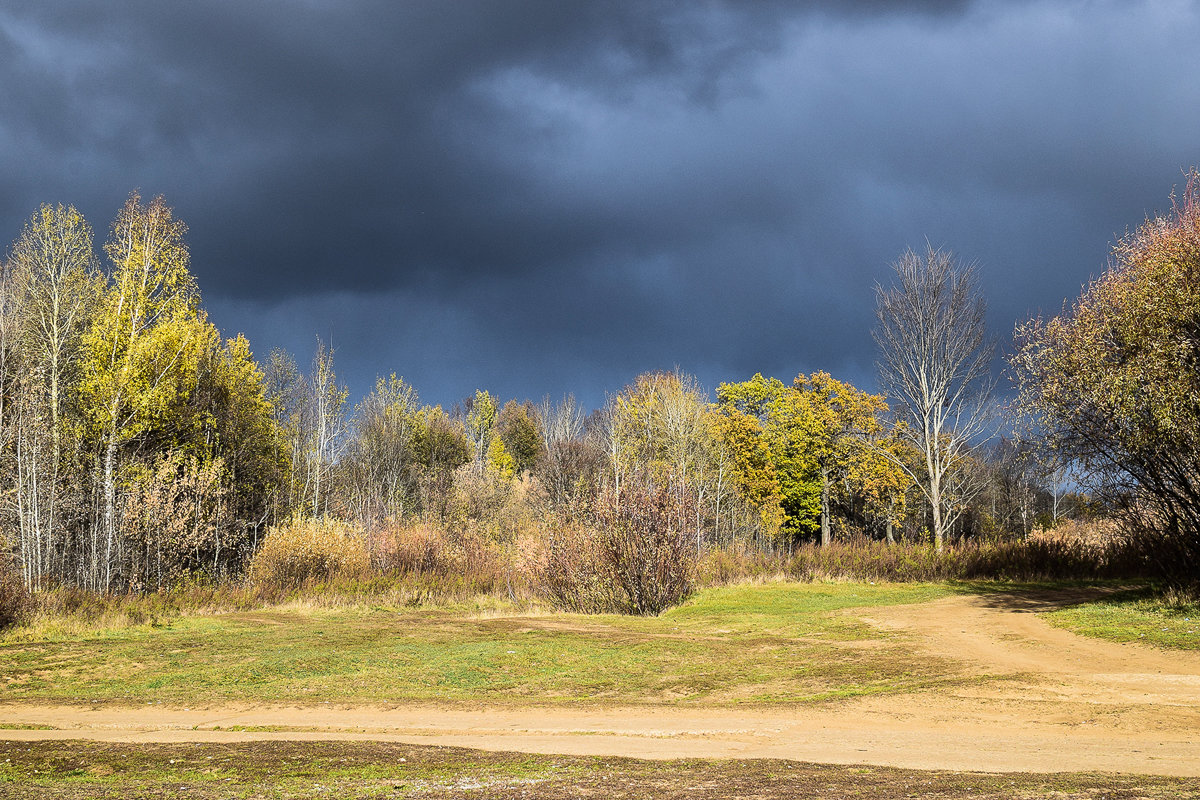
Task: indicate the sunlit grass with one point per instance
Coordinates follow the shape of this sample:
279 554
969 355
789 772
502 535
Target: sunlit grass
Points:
1136 616
770 643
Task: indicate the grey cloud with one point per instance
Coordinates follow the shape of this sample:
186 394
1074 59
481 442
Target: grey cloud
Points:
542 197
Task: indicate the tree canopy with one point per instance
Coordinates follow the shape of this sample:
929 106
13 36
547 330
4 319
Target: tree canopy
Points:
1114 381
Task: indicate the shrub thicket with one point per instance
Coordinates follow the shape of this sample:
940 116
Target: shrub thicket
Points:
1035 559
304 551
15 601
634 554
450 563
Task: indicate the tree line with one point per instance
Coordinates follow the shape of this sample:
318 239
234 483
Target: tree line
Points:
138 446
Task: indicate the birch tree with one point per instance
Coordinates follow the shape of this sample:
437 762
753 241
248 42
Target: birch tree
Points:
326 426
137 341
54 287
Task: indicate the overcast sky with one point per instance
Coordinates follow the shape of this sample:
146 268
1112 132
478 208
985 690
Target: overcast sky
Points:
549 197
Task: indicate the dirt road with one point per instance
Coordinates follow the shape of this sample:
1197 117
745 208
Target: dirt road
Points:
1062 703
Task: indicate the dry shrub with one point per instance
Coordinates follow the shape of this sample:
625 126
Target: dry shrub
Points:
634 556
306 551
571 571
15 600
1065 557
1096 532
458 562
418 549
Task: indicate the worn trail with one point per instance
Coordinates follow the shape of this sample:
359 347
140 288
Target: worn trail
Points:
1061 702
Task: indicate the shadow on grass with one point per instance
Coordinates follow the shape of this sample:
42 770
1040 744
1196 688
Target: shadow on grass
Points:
1036 598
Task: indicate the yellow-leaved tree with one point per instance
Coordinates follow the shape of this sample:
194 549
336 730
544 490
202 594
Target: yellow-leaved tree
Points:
841 420
143 344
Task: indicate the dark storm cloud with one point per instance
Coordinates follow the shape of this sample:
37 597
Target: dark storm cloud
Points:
545 196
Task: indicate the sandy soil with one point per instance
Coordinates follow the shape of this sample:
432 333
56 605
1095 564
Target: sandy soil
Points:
1061 703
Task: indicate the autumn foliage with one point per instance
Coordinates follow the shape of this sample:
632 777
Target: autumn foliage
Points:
141 451
1114 383
304 551
633 555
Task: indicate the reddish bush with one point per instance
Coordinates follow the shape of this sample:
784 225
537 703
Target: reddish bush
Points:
15 600
635 554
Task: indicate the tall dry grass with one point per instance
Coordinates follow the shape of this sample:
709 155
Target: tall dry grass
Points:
415 564
1075 554
450 564
307 551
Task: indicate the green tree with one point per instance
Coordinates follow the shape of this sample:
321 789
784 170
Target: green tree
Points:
233 426
788 431
440 446
751 471
813 434
518 429
153 436
840 421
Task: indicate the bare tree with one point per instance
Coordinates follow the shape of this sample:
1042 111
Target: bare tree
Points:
57 280
935 365
327 426
566 455
379 457
56 284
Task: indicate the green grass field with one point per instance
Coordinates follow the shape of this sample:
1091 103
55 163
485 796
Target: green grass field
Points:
754 644
1136 615
747 644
